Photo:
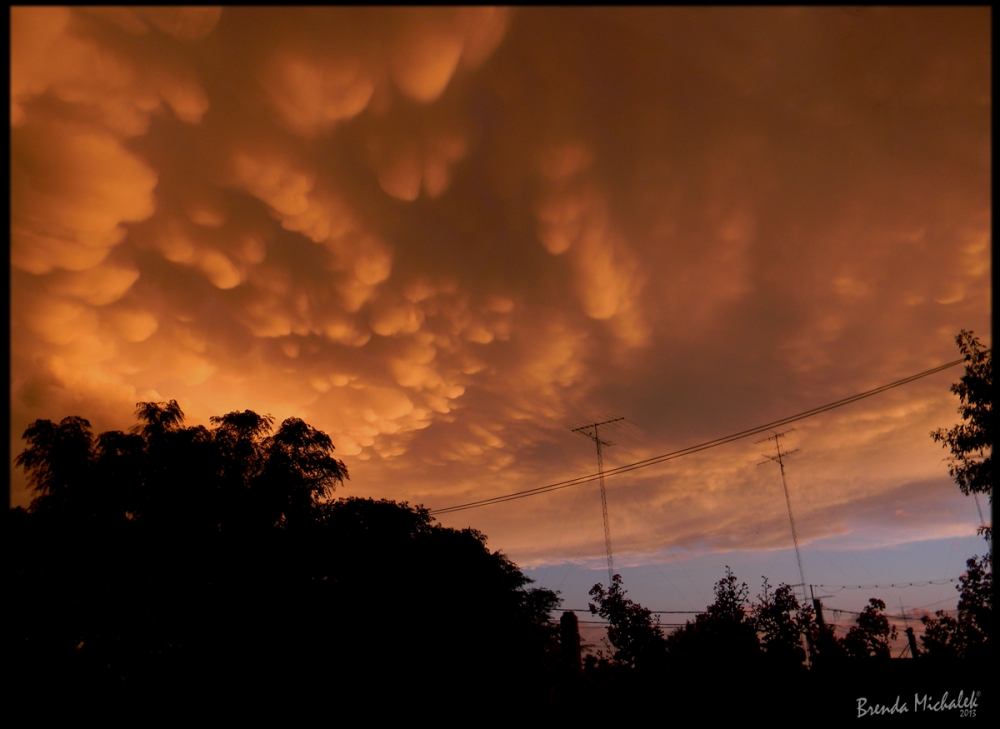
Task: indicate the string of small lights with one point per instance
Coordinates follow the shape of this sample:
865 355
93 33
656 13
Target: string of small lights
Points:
837 588
921 583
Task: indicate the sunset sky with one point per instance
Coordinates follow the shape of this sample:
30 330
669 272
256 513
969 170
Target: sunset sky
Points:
446 236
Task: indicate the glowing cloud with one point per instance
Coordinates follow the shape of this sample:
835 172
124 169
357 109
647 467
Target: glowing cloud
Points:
444 234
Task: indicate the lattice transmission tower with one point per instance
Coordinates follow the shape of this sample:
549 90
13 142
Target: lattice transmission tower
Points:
591 431
778 458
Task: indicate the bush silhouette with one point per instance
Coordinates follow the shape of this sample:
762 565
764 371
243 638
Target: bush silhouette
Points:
174 561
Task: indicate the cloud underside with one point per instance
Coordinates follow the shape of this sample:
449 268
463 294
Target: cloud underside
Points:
444 235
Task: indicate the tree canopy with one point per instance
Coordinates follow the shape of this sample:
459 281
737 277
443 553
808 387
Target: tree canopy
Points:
153 561
632 630
780 623
966 636
158 559
724 637
239 474
871 637
971 441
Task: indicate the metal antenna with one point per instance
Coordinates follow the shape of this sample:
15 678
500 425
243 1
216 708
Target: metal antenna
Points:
791 520
788 502
590 431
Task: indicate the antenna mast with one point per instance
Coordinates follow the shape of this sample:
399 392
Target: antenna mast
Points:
788 502
590 431
791 520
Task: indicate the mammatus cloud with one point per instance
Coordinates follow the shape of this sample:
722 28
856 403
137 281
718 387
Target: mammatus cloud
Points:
574 219
443 235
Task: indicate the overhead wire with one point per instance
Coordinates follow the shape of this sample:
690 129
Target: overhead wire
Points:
890 616
654 612
711 444
922 583
645 463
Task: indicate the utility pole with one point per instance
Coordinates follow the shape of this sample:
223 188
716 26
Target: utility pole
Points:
791 520
911 639
820 623
590 431
569 641
818 607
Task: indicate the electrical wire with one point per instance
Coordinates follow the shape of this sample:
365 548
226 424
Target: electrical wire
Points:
826 607
890 616
654 612
692 449
837 588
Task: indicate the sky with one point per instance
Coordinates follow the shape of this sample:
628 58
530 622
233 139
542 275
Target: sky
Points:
448 236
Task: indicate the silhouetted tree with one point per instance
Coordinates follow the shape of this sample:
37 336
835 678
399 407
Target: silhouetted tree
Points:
300 471
731 601
971 441
119 474
59 462
870 637
158 418
632 630
781 622
967 636
724 637
160 559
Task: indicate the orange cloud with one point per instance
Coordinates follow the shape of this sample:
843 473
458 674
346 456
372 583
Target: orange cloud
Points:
444 234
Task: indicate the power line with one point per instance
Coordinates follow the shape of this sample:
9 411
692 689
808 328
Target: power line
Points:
654 612
938 602
890 616
601 622
693 449
922 583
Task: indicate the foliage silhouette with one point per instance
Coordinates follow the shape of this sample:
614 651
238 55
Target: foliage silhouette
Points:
871 636
59 461
155 561
780 623
724 637
151 563
632 630
971 441
967 636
